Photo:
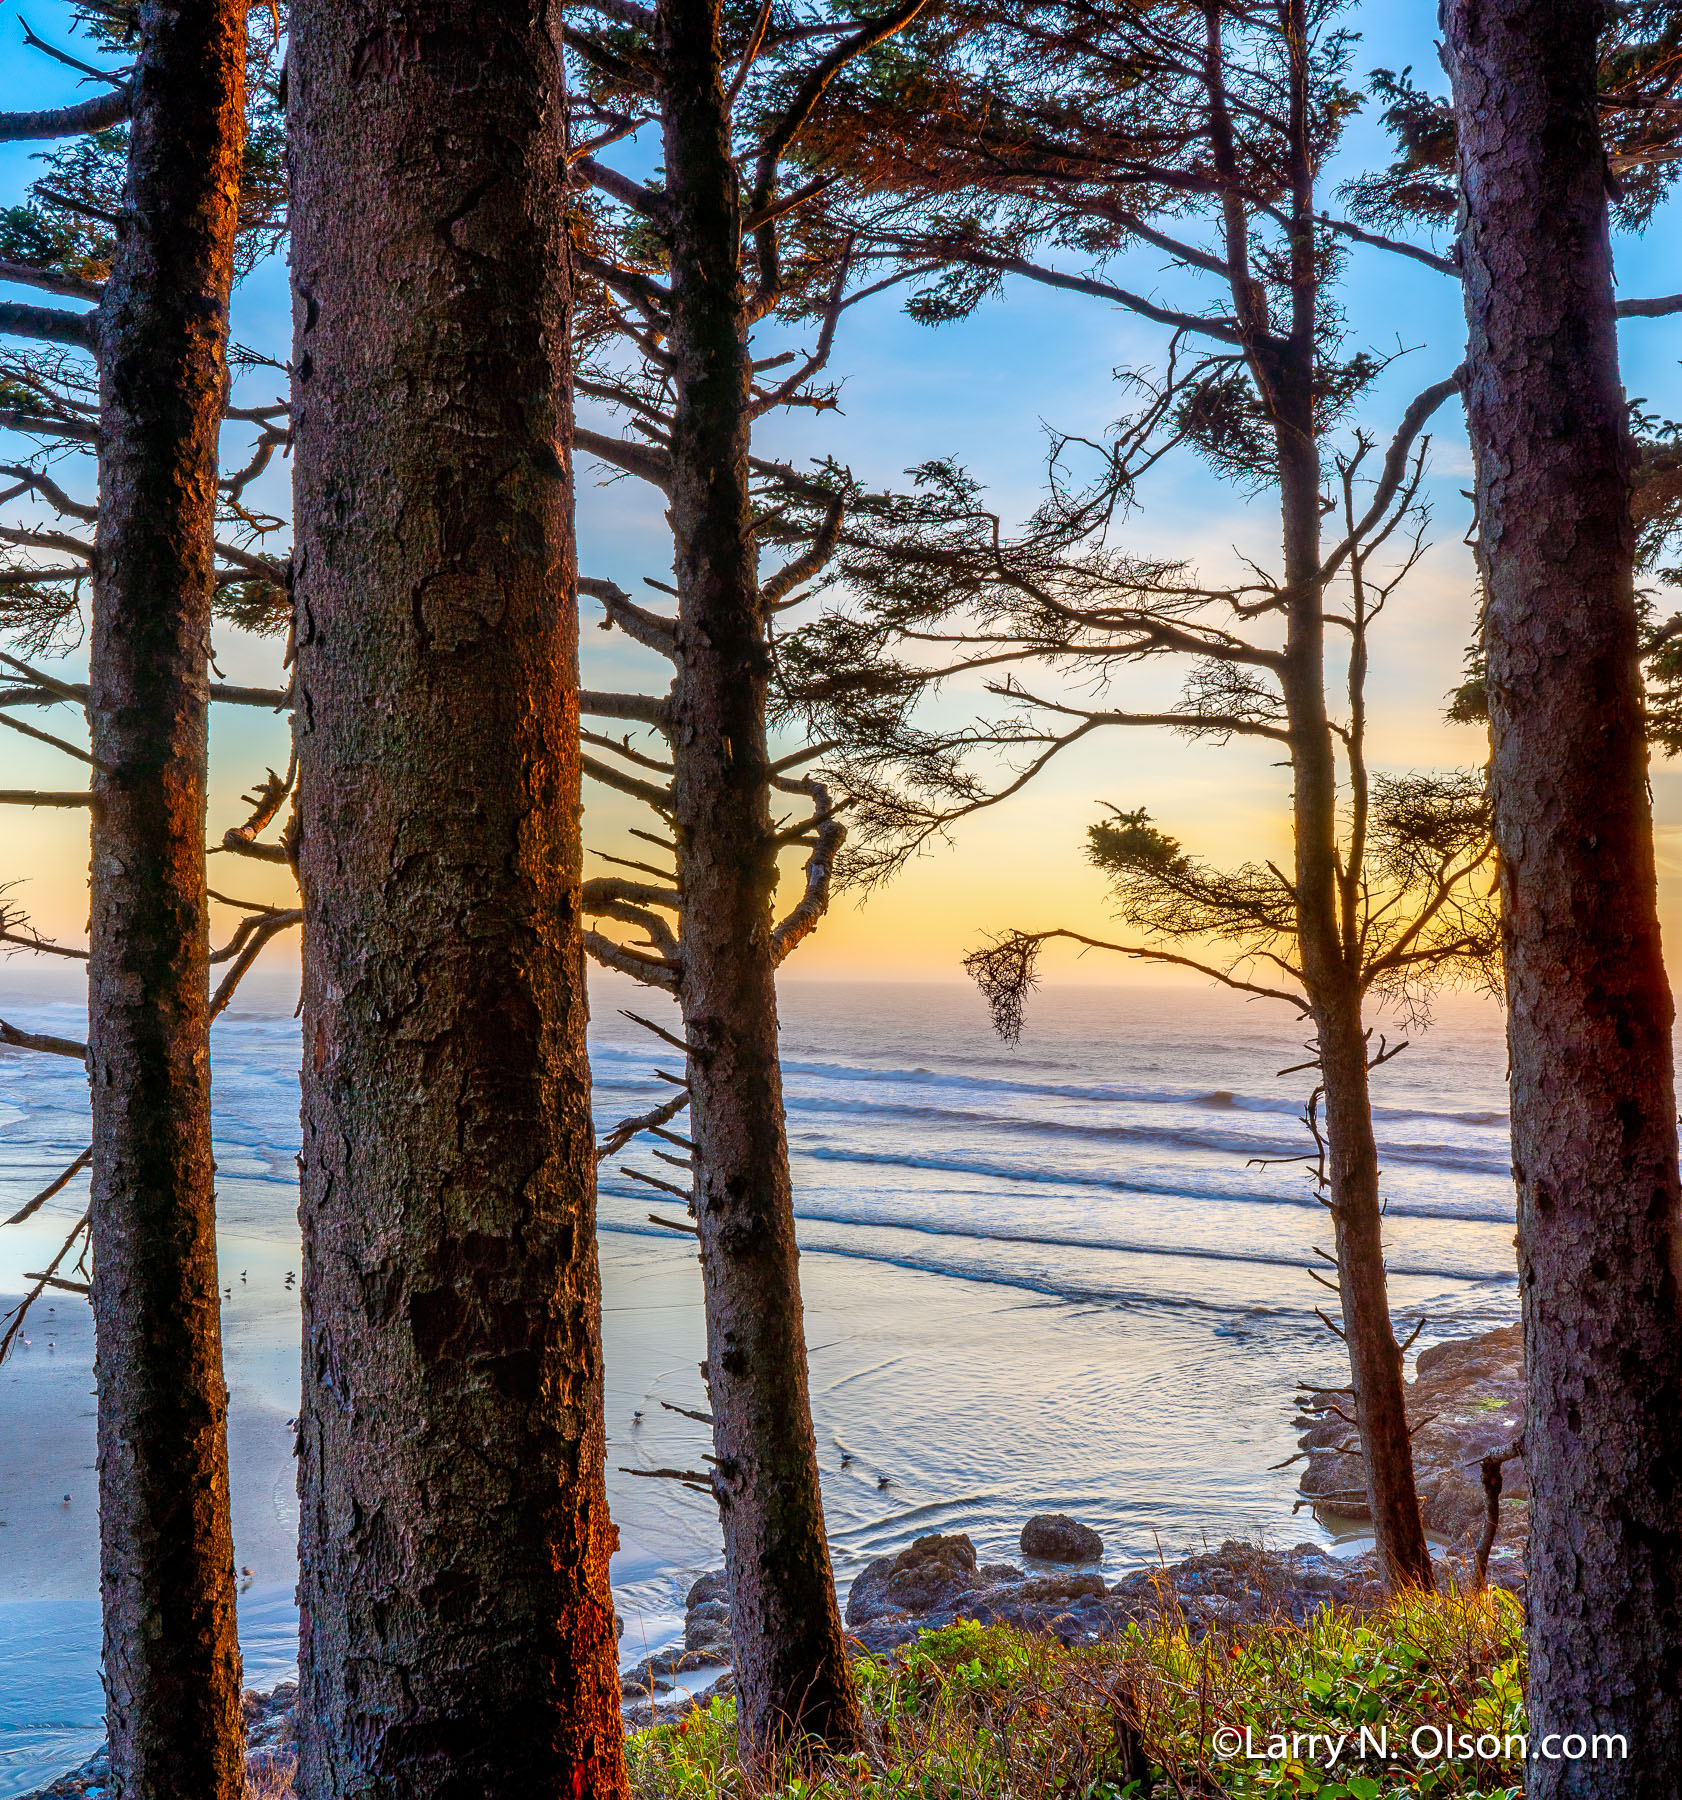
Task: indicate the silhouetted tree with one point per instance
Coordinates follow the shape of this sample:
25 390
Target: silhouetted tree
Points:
1014 136
457 1632
692 263
1589 1008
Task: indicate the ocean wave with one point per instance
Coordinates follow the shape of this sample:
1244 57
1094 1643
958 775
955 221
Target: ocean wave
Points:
1120 1134
1216 1099
1068 1289
1120 1247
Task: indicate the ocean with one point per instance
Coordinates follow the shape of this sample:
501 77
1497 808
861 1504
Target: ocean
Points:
1067 1275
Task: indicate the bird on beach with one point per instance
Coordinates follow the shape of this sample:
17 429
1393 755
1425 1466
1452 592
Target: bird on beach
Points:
882 1481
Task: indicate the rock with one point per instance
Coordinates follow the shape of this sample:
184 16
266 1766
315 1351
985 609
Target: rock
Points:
667 1711
269 1754
921 1579
653 1675
1243 1584
1055 1537
1465 1403
715 1585
706 1628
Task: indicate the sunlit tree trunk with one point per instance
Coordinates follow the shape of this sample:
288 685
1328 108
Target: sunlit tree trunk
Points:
171 1656
457 1634
1589 1009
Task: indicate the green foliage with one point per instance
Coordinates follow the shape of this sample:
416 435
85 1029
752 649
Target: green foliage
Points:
1419 186
1638 51
1129 842
984 1713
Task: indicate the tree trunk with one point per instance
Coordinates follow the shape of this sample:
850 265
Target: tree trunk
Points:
1331 978
792 1672
457 1633
1589 1010
172 1667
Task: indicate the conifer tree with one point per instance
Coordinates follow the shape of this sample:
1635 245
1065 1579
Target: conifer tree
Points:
691 264
457 1630
1015 139
1589 1008
171 125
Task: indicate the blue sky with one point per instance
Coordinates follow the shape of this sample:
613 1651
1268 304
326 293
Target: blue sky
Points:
984 390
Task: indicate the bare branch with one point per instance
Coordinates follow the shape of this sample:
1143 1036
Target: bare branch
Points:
626 1129
46 737
653 466
97 114
802 919
659 798
1658 308
57 1185
50 324
71 286
261 931
35 1040
644 709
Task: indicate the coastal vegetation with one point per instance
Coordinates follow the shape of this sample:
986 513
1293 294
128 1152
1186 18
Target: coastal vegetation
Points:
973 1712
494 217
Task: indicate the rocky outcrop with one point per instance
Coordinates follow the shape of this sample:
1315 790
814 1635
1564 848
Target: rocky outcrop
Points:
1465 1403
939 1580
1055 1537
269 1754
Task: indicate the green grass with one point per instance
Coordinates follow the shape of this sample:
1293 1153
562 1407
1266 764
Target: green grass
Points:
984 1713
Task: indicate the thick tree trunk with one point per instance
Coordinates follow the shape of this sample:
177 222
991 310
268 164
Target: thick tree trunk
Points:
1589 1010
1331 977
457 1628
792 1671
172 1668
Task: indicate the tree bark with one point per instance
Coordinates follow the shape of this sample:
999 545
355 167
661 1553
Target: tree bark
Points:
457 1631
1589 1009
171 1654
792 1672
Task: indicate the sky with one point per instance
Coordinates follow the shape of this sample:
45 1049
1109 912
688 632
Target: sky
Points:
984 390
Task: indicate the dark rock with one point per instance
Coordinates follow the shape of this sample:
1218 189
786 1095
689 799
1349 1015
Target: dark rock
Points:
94 1773
1055 1537
932 1573
662 1711
269 1750
715 1585
1466 1402
653 1675
706 1628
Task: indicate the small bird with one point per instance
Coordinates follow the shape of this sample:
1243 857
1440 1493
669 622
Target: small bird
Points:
636 1418
846 1459
242 1275
66 1499
882 1481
